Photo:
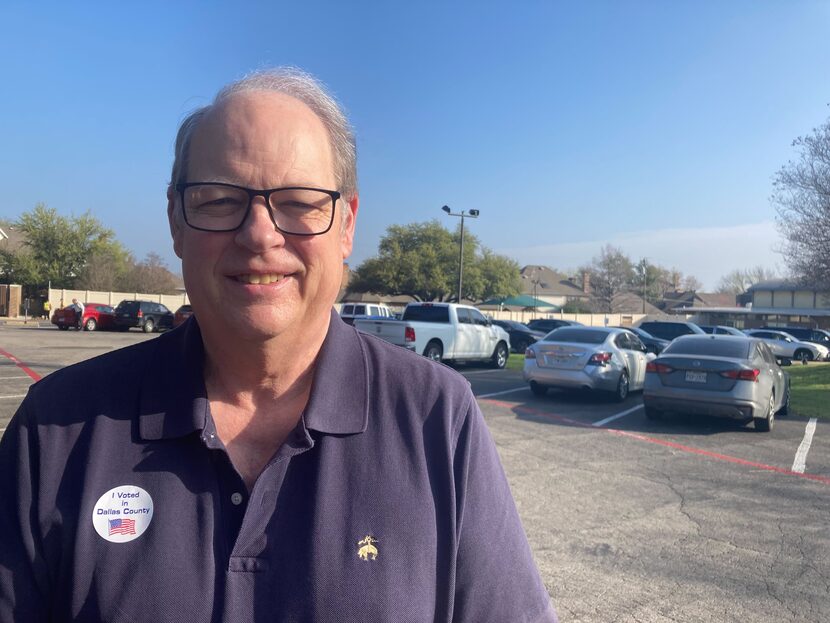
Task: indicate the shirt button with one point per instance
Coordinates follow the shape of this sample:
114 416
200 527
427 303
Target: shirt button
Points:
236 498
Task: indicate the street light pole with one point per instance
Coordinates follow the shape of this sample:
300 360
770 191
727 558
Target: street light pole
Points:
462 215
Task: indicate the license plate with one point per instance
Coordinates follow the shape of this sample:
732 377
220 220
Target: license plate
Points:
695 377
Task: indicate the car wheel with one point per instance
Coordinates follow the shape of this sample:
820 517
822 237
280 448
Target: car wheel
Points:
621 392
785 406
652 413
765 424
434 351
149 326
90 324
803 355
538 390
500 355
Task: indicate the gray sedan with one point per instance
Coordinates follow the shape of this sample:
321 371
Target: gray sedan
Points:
718 375
592 358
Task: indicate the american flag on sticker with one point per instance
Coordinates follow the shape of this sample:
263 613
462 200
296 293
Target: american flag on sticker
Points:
122 526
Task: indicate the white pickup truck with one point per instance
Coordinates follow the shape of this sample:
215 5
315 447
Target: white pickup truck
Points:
444 332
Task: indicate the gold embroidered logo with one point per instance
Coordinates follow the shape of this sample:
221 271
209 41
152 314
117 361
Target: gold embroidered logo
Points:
367 548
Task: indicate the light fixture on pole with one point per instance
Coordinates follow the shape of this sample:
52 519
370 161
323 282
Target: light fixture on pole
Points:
462 215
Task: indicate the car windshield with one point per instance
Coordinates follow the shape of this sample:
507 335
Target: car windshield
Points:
580 336
715 347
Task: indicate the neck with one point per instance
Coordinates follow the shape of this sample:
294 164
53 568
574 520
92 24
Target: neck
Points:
276 367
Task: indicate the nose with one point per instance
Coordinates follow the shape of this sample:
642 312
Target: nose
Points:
259 231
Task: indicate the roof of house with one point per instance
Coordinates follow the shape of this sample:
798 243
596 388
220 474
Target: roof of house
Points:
673 300
548 282
630 303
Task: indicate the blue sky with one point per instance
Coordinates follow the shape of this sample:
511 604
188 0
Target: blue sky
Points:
653 126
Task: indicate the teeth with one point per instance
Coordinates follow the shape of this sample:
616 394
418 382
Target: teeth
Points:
260 279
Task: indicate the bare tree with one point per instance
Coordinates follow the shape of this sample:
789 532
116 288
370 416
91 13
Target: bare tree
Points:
611 274
151 275
802 198
740 280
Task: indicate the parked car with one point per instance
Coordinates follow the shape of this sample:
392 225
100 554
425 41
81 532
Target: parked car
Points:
96 316
444 332
349 312
785 345
804 334
521 336
546 325
724 376
670 329
591 358
146 315
182 313
653 344
720 330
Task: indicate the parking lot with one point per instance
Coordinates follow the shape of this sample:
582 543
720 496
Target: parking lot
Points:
629 519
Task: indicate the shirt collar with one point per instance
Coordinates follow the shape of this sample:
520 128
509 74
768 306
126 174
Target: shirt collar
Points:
173 399
339 401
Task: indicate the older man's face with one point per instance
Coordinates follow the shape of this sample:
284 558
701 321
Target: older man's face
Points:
263 140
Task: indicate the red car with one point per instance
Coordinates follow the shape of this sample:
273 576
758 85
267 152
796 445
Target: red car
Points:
96 316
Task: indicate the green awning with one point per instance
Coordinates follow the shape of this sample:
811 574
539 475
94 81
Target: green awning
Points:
522 301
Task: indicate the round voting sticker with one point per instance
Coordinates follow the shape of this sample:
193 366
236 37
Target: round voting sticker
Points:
122 514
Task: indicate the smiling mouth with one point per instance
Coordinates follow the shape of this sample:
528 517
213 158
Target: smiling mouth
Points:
260 279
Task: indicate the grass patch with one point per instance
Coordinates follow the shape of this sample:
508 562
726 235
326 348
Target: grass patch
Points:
516 361
810 390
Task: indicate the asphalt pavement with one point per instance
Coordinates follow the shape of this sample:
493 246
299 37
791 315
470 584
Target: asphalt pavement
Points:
630 520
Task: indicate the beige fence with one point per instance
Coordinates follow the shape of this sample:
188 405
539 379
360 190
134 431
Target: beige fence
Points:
61 298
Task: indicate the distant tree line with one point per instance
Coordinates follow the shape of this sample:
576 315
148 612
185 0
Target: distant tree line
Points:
78 253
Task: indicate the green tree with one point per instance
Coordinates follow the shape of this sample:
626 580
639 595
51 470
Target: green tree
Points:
612 273
421 260
60 246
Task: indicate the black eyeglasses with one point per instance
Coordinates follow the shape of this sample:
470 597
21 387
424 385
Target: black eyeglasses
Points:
294 210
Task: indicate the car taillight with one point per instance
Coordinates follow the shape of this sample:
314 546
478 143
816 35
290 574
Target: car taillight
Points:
409 334
659 368
599 359
742 375
530 353
140 314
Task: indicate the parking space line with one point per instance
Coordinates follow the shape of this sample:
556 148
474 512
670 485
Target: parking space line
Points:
662 442
13 378
618 415
14 396
20 364
506 391
800 462
472 372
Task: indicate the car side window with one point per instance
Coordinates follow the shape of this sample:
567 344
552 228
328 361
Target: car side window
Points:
478 317
464 316
621 341
636 344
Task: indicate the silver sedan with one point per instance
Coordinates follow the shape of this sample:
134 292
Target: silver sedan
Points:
592 358
718 375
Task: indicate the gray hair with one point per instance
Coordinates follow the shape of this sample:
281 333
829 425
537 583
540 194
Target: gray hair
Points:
301 86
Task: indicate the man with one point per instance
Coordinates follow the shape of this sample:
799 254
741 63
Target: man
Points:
79 314
264 462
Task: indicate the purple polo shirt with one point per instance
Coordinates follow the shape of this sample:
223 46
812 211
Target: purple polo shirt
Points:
118 501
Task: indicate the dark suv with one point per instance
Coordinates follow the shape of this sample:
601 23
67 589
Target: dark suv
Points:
546 325
668 330
146 315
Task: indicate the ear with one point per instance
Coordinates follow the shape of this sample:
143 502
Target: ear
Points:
347 237
174 222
